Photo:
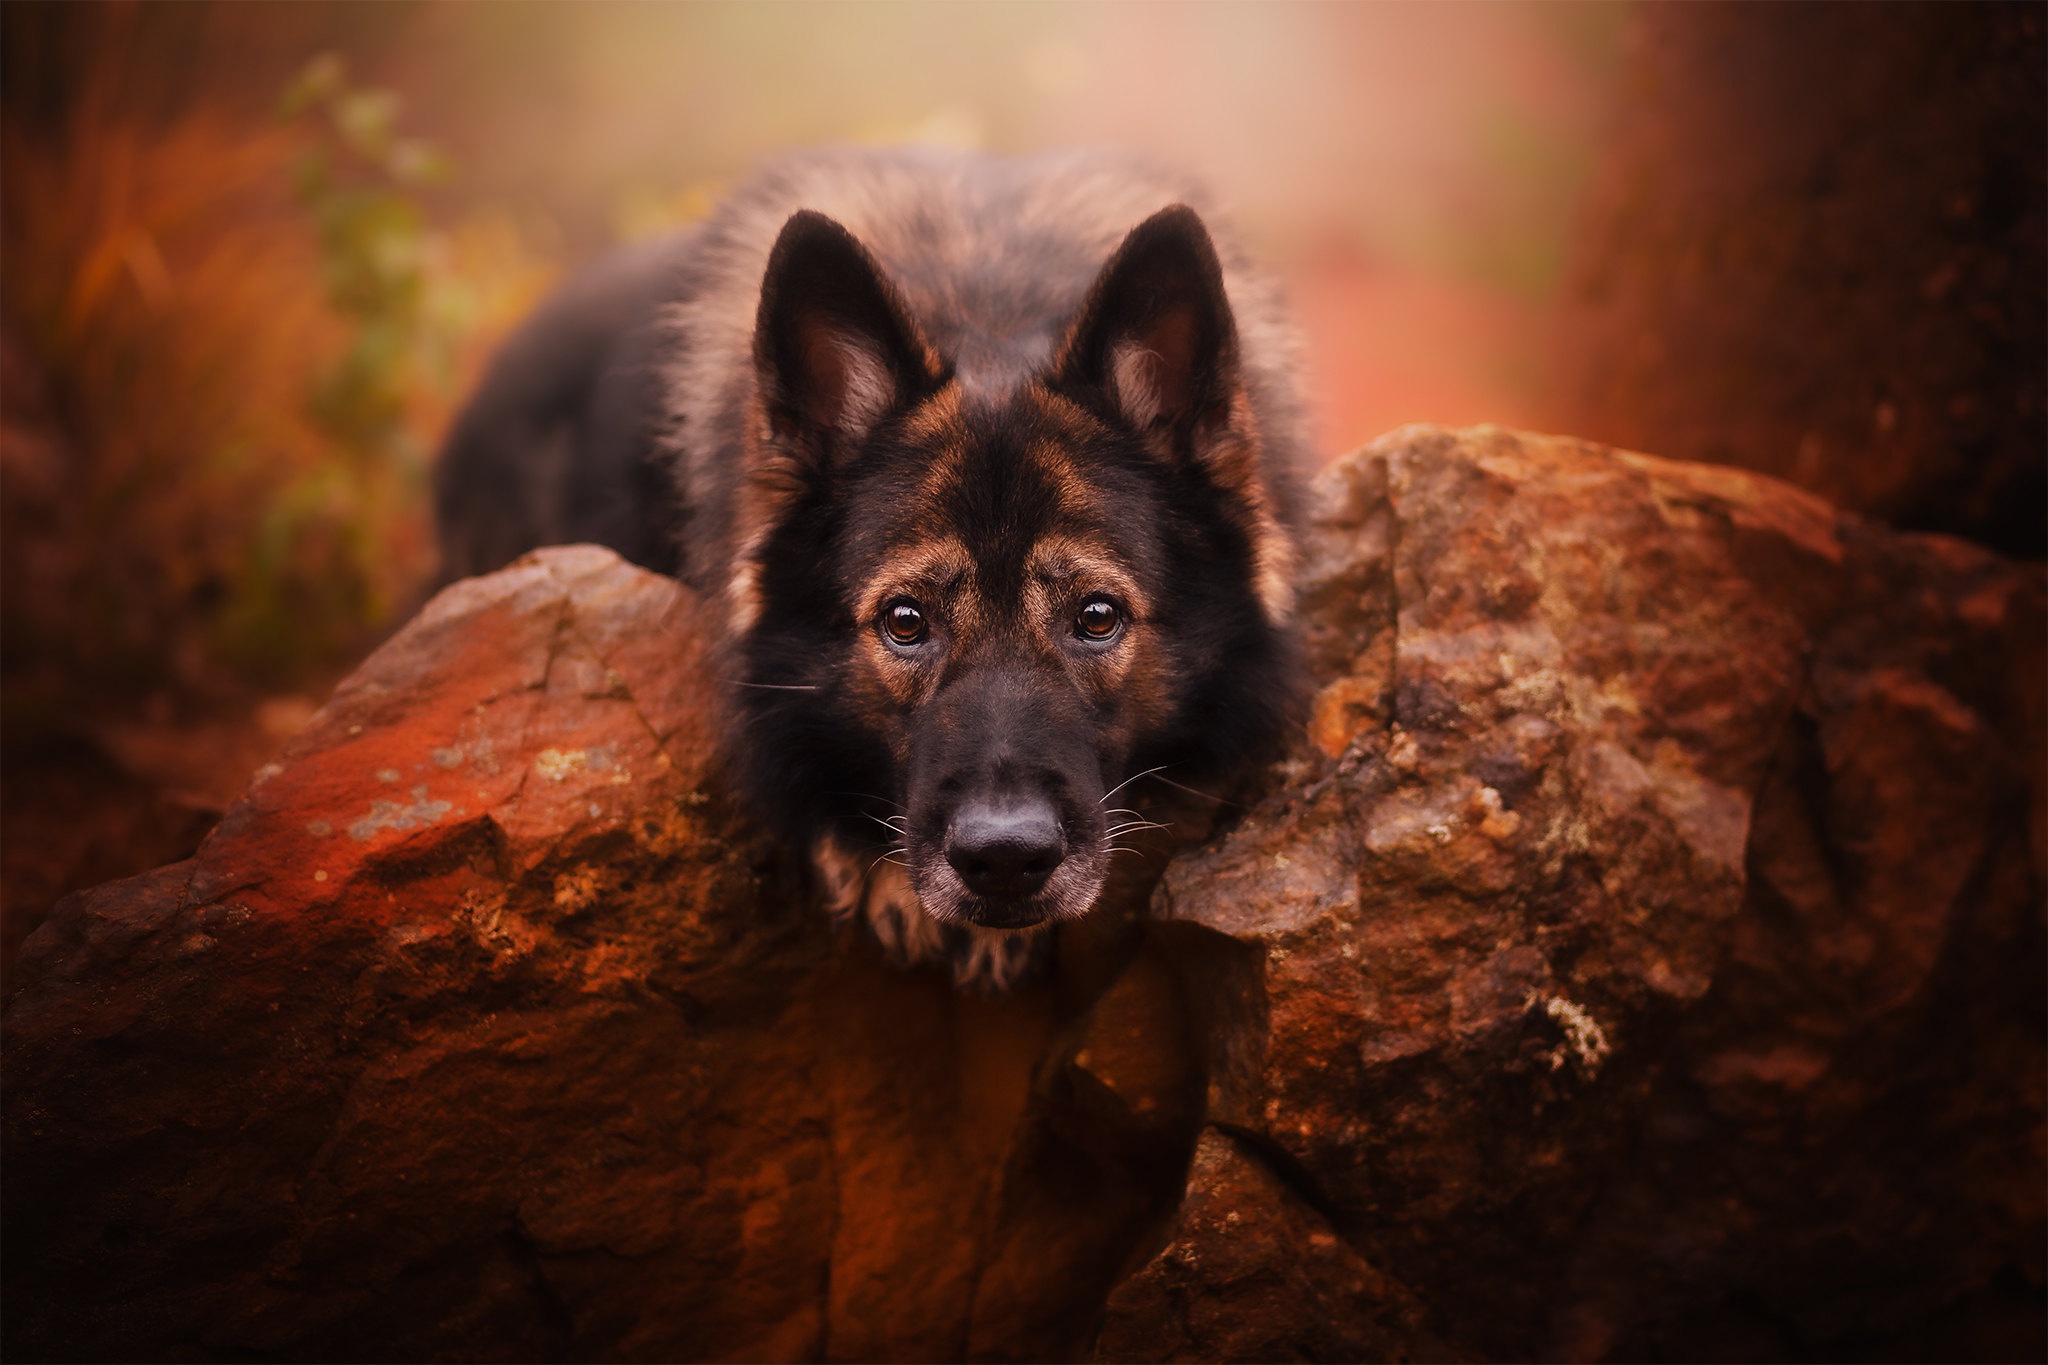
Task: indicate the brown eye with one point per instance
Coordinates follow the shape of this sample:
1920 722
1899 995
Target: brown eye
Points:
1098 620
904 624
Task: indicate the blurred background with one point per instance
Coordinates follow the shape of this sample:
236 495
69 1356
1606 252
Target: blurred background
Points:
255 253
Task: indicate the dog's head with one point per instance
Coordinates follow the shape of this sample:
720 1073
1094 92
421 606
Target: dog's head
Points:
969 611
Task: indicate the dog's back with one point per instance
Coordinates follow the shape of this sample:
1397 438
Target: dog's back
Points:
553 447
613 415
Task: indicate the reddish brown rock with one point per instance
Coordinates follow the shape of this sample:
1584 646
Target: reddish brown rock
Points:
1251 1271
1642 956
1652 930
480 1030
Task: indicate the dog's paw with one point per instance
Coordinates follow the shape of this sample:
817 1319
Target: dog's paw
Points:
994 960
841 878
877 892
907 934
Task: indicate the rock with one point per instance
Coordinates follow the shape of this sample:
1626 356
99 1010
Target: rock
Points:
1652 929
479 1029
1641 956
1252 1272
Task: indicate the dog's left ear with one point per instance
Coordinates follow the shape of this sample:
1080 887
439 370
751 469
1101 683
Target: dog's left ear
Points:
1156 336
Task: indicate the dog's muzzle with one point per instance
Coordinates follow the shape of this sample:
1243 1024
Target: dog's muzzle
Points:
1004 852
1004 828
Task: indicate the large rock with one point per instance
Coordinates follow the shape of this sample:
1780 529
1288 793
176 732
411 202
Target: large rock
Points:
479 1030
1649 940
1642 955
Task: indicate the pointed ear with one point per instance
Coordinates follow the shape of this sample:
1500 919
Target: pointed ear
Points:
1156 336
834 346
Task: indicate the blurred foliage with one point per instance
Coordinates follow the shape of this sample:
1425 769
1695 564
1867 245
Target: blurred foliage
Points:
230 348
356 179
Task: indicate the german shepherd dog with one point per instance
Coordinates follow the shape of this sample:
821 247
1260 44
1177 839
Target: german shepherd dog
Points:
988 467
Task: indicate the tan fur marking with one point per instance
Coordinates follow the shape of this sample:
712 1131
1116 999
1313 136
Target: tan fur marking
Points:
928 572
743 593
938 575
841 875
1072 488
1072 415
995 957
881 688
1085 569
1273 559
1063 571
901 925
938 430
764 495
932 421
1236 460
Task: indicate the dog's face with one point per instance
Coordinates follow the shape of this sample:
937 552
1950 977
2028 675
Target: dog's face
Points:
969 613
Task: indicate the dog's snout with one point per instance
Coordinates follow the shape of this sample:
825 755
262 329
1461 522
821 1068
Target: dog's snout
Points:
1005 852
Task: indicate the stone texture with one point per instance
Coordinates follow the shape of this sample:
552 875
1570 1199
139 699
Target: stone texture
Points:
1640 957
479 1030
1652 929
1251 1271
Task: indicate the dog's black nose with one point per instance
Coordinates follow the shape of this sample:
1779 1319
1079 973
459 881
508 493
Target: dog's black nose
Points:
1004 852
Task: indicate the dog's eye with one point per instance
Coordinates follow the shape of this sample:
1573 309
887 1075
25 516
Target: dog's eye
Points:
903 623
1098 620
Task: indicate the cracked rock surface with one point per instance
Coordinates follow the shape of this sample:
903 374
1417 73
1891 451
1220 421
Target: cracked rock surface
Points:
1640 956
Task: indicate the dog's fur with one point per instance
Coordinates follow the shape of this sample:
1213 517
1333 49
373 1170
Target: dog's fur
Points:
987 466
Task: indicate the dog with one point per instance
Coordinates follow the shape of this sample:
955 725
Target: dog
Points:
988 469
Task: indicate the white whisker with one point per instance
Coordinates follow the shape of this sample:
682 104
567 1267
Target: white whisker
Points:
1133 778
869 796
887 855
1192 792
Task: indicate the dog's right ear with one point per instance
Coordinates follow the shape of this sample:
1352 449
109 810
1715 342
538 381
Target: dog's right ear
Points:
834 346
1156 337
